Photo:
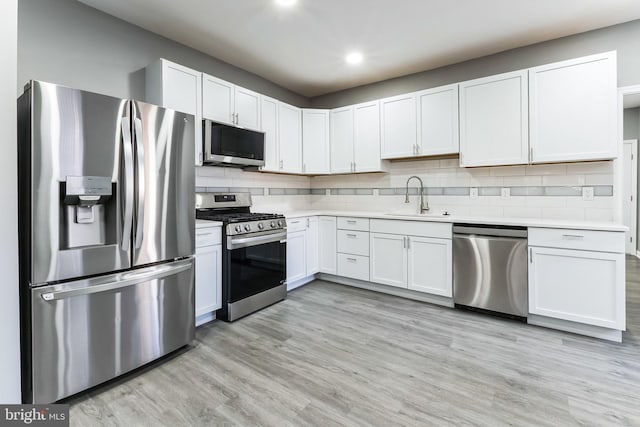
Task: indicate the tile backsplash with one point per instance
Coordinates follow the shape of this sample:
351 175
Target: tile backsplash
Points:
536 191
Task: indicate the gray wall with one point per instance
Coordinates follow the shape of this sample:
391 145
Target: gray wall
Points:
67 42
631 122
625 38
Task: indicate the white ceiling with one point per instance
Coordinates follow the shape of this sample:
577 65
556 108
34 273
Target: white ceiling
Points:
302 48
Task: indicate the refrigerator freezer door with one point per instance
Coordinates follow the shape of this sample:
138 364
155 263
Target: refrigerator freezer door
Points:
76 166
90 331
164 226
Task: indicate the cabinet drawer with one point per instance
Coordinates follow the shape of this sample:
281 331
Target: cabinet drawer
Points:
357 224
601 241
439 230
208 236
353 266
296 224
353 242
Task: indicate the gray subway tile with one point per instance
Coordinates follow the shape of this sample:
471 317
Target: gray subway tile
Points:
364 191
489 191
603 190
318 191
456 191
276 191
304 191
436 191
217 189
386 191
257 191
201 189
562 191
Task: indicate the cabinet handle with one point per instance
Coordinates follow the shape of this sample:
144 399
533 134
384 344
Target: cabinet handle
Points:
351 221
572 237
404 242
530 256
354 166
281 164
352 260
295 222
530 154
237 118
353 236
307 222
408 243
304 167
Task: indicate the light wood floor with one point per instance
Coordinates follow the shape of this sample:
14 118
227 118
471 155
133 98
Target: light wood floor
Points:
334 355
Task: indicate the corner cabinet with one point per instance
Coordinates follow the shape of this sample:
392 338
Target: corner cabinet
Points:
315 142
327 244
573 109
177 87
227 103
578 276
208 263
494 120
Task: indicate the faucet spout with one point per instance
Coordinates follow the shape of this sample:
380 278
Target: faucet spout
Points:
424 206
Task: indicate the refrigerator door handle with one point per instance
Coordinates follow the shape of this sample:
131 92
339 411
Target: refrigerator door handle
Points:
137 123
128 188
130 279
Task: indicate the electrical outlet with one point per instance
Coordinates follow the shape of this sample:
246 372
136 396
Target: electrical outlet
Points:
587 193
505 193
473 192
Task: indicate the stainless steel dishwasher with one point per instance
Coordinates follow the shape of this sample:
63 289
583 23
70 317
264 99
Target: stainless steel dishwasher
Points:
490 268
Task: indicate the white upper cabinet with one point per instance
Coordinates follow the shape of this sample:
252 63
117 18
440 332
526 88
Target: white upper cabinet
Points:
269 124
438 121
289 138
173 86
225 102
573 109
494 120
399 126
342 140
366 132
315 141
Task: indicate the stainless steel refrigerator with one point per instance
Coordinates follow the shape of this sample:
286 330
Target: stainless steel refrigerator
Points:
106 208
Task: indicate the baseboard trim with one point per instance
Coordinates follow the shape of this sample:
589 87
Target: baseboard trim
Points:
637 254
576 328
293 285
390 290
205 318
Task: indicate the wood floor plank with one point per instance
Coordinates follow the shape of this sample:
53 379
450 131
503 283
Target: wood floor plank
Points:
332 355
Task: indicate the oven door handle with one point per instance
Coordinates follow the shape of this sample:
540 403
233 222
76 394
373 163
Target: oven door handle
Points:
237 243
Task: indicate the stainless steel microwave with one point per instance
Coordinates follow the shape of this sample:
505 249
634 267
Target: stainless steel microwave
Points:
232 146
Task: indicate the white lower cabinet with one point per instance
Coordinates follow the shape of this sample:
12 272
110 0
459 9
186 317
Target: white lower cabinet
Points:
388 260
430 265
327 244
353 266
420 263
296 256
579 286
208 272
352 244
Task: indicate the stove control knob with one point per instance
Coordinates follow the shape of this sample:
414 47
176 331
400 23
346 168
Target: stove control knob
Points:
247 227
238 229
273 224
260 226
280 223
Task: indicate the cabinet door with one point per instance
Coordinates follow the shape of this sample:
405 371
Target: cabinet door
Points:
366 142
313 256
315 141
494 120
430 265
388 259
289 138
399 126
208 279
217 99
573 109
179 88
580 286
269 123
296 257
327 244
342 140
438 121
247 108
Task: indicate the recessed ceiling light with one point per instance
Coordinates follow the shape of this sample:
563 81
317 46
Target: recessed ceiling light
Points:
286 3
354 58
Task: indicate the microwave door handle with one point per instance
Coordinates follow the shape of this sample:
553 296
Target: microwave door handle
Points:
128 184
137 123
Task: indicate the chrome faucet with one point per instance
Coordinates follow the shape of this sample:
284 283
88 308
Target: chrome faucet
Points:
424 207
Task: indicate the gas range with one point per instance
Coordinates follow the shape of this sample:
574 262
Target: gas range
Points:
253 253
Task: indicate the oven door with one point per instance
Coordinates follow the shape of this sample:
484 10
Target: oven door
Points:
254 264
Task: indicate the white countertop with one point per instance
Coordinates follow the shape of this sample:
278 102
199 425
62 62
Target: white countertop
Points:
522 222
203 223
